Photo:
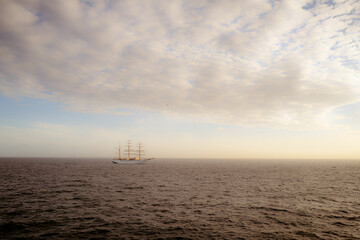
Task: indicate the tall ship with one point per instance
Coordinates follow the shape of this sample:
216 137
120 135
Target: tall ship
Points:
131 155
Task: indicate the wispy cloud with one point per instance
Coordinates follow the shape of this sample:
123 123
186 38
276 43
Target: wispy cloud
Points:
250 62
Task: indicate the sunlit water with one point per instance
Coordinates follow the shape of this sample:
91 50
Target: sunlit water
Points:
79 198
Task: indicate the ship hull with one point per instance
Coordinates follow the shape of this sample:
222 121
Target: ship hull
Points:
116 161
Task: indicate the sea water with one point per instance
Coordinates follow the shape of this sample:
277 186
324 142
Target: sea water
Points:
178 199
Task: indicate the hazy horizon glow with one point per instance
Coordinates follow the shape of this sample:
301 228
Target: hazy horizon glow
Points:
232 79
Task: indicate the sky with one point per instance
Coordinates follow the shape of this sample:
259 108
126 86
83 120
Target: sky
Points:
189 79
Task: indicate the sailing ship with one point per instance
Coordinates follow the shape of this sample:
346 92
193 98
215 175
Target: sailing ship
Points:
131 155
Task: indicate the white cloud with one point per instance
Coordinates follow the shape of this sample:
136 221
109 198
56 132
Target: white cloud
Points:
249 62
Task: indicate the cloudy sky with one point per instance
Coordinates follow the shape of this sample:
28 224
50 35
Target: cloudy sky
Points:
222 79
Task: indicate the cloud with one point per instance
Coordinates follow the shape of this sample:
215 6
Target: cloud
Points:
275 63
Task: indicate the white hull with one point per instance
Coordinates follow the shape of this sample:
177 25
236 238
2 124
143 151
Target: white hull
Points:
116 161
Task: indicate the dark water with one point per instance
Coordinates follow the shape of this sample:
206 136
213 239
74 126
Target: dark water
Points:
174 199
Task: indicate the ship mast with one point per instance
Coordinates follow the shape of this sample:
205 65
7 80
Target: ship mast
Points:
128 149
140 151
119 152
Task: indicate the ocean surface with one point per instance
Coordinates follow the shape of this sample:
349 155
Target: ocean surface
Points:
178 199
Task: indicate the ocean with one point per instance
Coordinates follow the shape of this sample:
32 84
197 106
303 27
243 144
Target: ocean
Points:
48 198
